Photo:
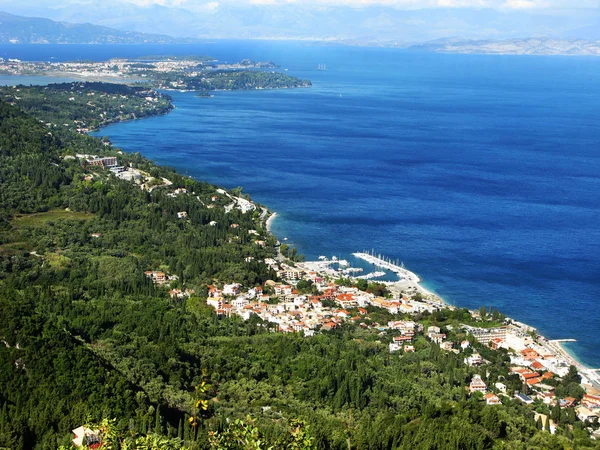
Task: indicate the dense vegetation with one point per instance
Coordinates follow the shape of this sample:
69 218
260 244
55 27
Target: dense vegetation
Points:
87 336
88 105
232 80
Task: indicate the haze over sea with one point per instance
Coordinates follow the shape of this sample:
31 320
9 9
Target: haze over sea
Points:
481 173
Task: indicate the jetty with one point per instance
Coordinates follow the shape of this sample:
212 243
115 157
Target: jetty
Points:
386 263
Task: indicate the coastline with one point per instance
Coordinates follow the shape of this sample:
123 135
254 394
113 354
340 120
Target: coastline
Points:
415 282
269 223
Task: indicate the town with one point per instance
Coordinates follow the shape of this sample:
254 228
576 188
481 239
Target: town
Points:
310 299
188 73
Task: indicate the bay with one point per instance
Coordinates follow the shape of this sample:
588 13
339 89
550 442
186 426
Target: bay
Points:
481 173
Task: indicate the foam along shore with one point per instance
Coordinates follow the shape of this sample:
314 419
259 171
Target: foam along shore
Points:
269 222
590 376
408 280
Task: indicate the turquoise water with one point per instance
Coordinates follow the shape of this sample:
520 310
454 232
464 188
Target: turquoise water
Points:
481 173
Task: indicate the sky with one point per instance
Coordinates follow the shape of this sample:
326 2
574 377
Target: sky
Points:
399 20
198 5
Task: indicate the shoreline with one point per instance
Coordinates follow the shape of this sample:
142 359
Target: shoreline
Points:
591 374
269 223
415 282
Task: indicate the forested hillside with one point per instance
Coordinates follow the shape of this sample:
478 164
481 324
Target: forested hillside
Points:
87 335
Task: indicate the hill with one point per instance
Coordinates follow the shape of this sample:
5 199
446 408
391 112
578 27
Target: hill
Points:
34 30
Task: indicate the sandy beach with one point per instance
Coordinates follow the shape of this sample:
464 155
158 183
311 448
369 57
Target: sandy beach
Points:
269 222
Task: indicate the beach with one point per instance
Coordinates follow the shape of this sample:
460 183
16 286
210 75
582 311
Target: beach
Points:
269 222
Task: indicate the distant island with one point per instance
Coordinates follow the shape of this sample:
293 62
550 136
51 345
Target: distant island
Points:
187 73
530 46
36 30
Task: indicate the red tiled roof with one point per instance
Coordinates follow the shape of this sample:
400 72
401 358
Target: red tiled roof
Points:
528 375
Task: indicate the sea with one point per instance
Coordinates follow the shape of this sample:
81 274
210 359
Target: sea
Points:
480 173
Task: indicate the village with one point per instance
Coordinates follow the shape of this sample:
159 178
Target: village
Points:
309 299
156 70
531 358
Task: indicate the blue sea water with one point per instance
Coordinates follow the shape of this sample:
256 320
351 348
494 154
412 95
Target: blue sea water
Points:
481 173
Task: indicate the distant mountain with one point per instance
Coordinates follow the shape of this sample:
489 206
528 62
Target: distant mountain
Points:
370 24
531 46
33 30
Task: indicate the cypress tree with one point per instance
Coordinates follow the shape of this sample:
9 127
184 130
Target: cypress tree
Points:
157 426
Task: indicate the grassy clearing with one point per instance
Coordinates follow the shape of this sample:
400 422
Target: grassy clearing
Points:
41 219
14 248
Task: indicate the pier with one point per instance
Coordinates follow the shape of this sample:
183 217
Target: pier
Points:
558 341
388 264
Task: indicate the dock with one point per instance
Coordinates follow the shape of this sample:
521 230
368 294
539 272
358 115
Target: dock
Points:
388 264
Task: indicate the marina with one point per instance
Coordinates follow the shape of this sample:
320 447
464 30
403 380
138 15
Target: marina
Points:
386 263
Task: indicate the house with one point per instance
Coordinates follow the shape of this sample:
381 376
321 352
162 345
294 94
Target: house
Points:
240 302
537 365
547 375
283 289
87 437
290 273
109 161
530 354
447 345
182 215
345 300
328 326
178 293
216 302
492 399
568 402
474 360
157 277
524 398
316 303
533 381
528 375
584 414
438 338
394 347
231 289
501 387
465 345
213 291
591 401
549 398
477 384
409 349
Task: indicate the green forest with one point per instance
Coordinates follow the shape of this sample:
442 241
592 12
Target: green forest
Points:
86 105
86 338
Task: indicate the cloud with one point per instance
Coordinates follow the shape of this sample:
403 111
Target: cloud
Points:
210 5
